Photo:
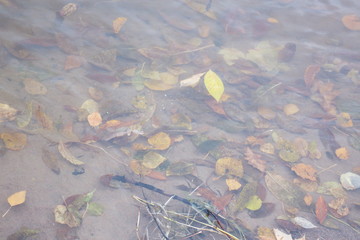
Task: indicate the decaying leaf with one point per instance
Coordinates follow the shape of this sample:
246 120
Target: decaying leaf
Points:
152 160
118 23
24 119
14 141
266 113
233 184
64 151
67 9
305 171
200 8
338 207
255 160
90 106
181 120
344 120
310 75
160 141
302 222
229 166
180 169
265 233
332 188
267 148
138 168
72 62
44 119
342 153
192 81
34 87
321 209
308 199
23 233
351 22
7 112
280 235
50 161
214 85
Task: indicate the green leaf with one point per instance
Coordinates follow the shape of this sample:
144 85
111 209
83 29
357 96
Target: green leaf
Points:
254 203
95 209
214 85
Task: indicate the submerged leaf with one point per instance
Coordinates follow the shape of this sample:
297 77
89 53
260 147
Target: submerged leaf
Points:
321 209
214 85
305 171
152 160
17 198
14 141
254 203
23 234
118 23
228 165
7 112
160 141
68 155
255 160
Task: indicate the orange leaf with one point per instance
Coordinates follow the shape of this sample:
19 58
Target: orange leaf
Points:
94 119
305 171
308 199
351 22
342 153
321 209
156 175
44 119
215 106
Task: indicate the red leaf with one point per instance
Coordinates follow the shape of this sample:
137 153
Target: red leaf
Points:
321 209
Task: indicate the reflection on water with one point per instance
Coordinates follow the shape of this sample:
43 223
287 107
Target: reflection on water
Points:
249 110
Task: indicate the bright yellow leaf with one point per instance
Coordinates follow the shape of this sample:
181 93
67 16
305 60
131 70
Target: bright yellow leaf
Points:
233 184
272 20
118 24
214 85
17 198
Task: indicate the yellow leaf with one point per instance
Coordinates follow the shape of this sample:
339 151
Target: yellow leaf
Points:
230 166
233 184
160 141
68 155
14 141
272 20
214 85
17 198
290 109
7 112
152 160
342 153
118 24
344 120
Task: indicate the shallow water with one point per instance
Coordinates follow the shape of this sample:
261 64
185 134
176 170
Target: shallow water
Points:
52 62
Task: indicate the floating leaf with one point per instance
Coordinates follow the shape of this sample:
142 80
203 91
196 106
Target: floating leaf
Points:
118 23
342 153
351 22
15 199
254 203
34 87
290 109
305 171
14 141
321 209
160 141
214 85
152 160
68 155
255 160
94 119
228 165
233 184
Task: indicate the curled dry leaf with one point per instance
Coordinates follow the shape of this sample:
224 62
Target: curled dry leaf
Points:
14 141
7 112
305 171
34 87
160 141
230 166
94 119
68 155
342 153
351 22
118 23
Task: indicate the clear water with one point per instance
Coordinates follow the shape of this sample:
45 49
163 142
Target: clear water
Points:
170 37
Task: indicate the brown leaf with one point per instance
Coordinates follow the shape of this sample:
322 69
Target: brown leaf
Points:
72 62
44 119
305 171
34 87
321 209
255 160
221 202
50 161
310 75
